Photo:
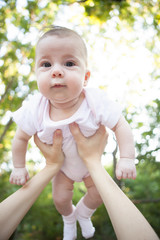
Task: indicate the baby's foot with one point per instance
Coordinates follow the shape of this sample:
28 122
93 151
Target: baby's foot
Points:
83 214
70 231
70 226
86 226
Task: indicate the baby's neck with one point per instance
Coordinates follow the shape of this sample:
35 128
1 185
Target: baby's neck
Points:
63 111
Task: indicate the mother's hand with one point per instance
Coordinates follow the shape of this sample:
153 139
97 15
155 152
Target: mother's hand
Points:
52 153
90 147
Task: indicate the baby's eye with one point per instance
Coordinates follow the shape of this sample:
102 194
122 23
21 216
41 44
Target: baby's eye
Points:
69 64
46 64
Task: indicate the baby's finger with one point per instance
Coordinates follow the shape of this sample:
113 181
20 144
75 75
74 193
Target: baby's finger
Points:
118 174
124 175
129 175
134 175
14 181
22 181
27 178
18 182
11 180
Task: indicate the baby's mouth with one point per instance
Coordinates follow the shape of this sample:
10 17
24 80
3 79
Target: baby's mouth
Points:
57 85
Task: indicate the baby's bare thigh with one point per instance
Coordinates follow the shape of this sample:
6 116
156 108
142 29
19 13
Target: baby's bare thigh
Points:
88 182
91 188
92 198
62 183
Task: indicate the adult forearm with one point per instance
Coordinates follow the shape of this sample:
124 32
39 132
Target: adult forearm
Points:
14 208
127 220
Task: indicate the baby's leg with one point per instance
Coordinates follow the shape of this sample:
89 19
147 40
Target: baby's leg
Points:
86 207
92 199
62 187
62 196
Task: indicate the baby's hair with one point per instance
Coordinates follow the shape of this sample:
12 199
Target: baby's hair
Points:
57 31
61 32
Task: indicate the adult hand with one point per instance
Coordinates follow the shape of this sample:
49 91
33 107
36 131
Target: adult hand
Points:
90 147
52 153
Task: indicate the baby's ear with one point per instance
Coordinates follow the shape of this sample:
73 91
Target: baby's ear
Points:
87 76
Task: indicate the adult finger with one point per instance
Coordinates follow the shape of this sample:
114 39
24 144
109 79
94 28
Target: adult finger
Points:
57 139
38 141
102 135
76 132
102 131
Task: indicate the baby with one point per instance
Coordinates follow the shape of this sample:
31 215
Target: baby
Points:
62 75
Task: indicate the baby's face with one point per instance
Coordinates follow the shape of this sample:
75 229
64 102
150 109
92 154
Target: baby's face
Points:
61 68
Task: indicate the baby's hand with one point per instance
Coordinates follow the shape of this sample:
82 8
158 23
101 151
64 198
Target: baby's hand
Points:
126 168
19 176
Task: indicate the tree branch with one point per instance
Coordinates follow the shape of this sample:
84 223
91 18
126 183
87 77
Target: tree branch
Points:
70 3
147 152
5 129
7 88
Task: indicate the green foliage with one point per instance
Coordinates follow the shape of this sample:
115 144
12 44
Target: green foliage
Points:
145 190
42 221
149 147
100 11
17 52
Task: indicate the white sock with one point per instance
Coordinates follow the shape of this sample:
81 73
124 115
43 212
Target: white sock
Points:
84 214
70 227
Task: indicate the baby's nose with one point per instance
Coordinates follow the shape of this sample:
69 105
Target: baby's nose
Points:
57 72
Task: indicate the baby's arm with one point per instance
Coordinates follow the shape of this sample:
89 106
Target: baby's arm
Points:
19 174
125 167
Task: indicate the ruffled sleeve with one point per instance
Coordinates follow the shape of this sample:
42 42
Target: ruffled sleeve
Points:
27 116
106 111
